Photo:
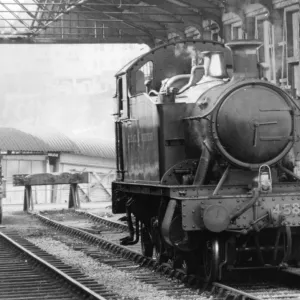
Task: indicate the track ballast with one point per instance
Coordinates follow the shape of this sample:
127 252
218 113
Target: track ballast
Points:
32 275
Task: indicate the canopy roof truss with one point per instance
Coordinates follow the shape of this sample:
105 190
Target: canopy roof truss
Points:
105 21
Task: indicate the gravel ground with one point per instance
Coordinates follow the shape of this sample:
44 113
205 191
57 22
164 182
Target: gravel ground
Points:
72 219
119 282
62 246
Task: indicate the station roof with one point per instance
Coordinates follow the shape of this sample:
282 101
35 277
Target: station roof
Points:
46 140
96 147
103 21
12 139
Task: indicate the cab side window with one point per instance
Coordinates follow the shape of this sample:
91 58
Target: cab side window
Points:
120 95
144 77
122 99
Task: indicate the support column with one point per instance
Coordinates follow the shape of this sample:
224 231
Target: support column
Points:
227 33
1 209
2 190
89 188
25 203
74 201
201 27
54 188
28 203
250 27
77 197
47 170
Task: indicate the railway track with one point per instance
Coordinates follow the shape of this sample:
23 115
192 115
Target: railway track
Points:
222 291
124 259
121 256
262 291
257 290
265 290
34 274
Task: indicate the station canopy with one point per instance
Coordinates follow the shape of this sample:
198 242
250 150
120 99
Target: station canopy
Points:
106 21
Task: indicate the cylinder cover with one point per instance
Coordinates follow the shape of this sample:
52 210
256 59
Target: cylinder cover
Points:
254 125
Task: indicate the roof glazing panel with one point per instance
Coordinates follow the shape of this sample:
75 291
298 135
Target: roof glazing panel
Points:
103 21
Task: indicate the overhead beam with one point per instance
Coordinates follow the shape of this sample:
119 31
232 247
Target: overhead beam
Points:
35 16
194 4
29 13
139 13
188 14
72 40
67 9
16 16
112 12
39 10
208 11
91 40
145 22
96 31
94 4
10 24
127 22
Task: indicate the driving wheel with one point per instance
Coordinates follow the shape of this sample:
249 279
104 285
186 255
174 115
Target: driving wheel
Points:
146 241
211 259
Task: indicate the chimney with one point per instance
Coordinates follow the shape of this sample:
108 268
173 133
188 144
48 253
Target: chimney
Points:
244 57
214 64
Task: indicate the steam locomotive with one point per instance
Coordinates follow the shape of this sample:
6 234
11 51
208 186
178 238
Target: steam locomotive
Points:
207 162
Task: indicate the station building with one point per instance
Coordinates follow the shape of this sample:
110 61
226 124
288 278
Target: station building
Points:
28 151
276 23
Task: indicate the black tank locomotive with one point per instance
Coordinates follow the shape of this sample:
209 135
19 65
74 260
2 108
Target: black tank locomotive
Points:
206 161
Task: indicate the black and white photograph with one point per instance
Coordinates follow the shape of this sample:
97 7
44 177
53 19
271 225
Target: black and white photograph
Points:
149 149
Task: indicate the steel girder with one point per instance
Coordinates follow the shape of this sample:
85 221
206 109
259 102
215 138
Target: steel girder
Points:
105 21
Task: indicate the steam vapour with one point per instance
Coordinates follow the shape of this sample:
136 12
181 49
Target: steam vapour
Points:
188 52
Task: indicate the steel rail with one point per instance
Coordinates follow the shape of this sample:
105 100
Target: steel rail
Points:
222 288
117 262
101 220
224 291
135 256
86 291
119 250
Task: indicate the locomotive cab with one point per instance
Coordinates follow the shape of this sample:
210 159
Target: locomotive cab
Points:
149 117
